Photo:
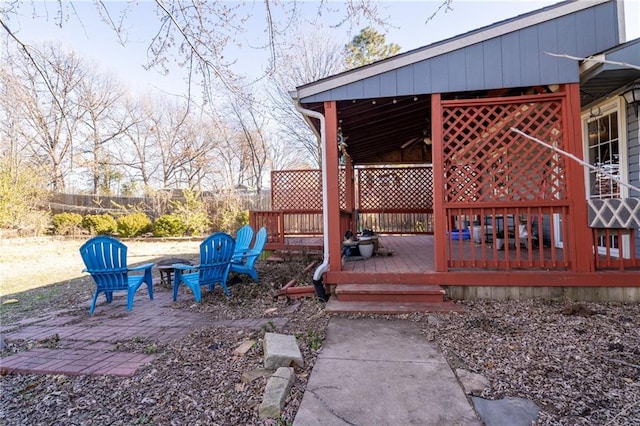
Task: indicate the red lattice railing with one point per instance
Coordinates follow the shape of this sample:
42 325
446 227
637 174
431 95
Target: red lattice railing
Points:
395 189
293 190
301 190
500 184
484 161
389 199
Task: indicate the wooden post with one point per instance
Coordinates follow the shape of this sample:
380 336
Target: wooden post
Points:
333 185
581 249
439 211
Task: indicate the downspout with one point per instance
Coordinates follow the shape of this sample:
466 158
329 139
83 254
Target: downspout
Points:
317 275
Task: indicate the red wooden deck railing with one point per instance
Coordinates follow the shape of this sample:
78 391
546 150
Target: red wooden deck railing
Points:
508 238
283 224
623 256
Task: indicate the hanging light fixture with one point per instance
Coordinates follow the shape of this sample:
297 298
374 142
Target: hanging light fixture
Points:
596 128
632 96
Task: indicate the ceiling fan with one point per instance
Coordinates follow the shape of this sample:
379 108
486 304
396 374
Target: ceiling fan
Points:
425 139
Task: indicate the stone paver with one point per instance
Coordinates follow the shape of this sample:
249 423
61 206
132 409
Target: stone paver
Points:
86 344
506 412
281 350
276 392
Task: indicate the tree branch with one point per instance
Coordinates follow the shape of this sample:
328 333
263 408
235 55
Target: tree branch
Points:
35 63
578 160
592 59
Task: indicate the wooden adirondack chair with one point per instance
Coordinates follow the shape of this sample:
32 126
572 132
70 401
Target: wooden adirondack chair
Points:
243 239
105 259
216 252
245 263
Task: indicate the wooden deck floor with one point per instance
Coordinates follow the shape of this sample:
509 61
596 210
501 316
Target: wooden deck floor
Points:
408 254
412 262
414 254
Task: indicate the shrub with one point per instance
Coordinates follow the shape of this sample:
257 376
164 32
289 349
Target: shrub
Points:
34 223
169 225
192 212
23 196
101 224
134 224
66 223
230 217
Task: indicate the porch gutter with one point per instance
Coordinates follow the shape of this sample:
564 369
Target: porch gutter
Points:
317 275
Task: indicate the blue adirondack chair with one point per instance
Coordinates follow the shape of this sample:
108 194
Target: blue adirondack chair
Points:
216 252
243 239
245 263
105 259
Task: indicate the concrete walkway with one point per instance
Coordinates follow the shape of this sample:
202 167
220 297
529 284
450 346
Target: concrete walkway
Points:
382 372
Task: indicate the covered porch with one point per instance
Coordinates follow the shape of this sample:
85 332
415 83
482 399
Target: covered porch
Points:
477 132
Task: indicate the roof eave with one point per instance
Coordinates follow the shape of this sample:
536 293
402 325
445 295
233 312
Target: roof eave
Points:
455 43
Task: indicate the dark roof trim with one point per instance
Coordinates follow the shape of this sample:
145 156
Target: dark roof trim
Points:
607 73
455 43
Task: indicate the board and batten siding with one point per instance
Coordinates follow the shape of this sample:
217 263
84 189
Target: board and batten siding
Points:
633 147
514 59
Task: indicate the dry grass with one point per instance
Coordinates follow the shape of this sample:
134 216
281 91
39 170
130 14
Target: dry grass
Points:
36 270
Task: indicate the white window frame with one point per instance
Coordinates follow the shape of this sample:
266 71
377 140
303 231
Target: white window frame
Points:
615 104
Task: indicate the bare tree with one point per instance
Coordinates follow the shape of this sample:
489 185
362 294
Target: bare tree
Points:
104 120
252 151
136 149
47 113
168 123
195 151
227 170
11 144
197 34
312 57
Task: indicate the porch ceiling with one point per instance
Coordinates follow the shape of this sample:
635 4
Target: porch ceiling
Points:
376 126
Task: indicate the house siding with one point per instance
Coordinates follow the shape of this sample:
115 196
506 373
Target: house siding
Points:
633 146
516 59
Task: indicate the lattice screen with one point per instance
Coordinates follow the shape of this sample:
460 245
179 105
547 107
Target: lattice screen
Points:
296 190
408 188
300 190
485 161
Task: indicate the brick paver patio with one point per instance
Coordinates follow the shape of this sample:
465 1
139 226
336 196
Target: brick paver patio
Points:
87 344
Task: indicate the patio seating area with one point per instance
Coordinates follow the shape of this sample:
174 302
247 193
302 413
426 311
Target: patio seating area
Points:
105 258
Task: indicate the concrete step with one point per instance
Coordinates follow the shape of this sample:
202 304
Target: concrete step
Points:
399 293
335 306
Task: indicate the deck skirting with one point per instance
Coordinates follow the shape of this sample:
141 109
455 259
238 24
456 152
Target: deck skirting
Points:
573 294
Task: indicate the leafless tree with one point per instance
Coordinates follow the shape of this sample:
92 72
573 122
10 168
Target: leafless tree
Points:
47 114
312 57
195 150
170 128
227 170
11 144
104 120
137 146
253 149
197 34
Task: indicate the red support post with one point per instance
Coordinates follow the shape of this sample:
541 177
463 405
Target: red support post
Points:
581 250
333 185
439 211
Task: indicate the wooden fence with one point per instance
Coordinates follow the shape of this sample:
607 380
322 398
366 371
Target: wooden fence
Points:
154 206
